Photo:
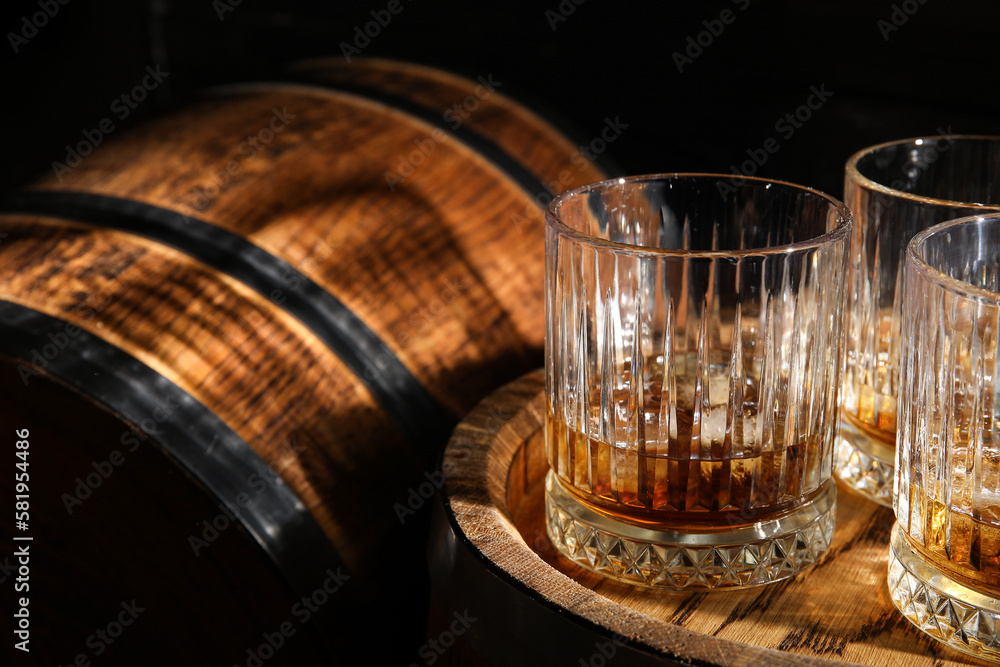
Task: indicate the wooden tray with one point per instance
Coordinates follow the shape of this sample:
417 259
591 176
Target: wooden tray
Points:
491 554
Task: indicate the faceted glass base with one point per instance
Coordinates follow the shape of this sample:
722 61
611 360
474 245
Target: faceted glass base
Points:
750 555
864 464
959 616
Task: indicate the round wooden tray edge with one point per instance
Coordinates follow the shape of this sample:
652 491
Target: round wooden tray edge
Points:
487 440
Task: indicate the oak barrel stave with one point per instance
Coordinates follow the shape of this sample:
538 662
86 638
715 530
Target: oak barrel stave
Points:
447 286
554 159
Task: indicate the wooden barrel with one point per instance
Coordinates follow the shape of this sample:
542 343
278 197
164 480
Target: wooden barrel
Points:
236 339
492 561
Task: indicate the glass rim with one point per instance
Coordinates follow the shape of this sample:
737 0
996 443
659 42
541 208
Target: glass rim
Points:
843 228
916 262
851 169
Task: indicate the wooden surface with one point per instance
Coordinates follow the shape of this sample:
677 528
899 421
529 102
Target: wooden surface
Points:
436 268
317 196
445 266
485 109
837 612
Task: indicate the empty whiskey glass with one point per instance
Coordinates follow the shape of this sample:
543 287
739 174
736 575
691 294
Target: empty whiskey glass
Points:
944 560
693 355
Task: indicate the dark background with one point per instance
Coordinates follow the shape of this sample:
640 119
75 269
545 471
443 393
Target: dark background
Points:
582 63
587 62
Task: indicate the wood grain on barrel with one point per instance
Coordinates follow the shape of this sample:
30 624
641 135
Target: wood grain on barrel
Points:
414 263
436 248
261 372
834 613
552 157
